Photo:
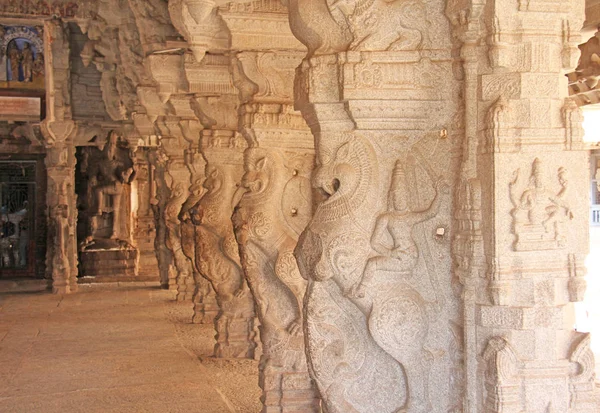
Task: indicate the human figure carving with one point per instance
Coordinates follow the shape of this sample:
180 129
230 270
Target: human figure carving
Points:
14 54
27 62
401 258
108 176
398 222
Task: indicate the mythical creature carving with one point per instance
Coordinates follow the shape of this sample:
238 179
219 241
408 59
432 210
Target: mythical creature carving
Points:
204 299
174 240
358 24
368 309
273 211
217 259
343 357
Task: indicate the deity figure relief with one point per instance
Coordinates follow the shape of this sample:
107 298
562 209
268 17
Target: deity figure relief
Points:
27 62
109 172
401 257
539 215
398 320
14 54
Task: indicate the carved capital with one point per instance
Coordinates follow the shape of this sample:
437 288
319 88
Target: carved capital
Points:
200 24
266 76
167 70
57 133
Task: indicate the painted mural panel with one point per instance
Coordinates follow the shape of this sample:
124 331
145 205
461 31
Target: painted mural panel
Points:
21 57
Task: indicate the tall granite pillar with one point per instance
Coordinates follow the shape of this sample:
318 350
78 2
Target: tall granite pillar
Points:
277 197
58 130
382 316
523 217
217 255
61 255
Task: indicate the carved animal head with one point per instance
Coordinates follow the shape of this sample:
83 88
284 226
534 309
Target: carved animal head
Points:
214 180
337 174
259 170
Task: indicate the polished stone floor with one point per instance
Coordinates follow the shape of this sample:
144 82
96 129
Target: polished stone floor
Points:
115 349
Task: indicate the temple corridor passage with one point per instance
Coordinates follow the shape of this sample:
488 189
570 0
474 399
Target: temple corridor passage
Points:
115 349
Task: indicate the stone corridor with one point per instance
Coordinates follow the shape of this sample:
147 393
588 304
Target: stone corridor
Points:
115 349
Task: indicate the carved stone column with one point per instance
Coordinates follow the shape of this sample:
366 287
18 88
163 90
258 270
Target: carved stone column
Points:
522 223
58 130
277 196
61 255
217 256
382 319
158 162
181 273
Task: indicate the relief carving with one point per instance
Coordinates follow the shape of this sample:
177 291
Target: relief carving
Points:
204 298
182 263
274 209
582 376
343 357
539 216
217 255
377 26
501 377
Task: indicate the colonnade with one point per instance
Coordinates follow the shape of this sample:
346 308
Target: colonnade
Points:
387 196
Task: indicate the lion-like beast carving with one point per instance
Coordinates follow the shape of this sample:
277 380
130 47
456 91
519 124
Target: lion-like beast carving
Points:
217 259
274 209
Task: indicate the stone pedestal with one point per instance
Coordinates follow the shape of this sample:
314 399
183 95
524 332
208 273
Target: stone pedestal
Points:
109 259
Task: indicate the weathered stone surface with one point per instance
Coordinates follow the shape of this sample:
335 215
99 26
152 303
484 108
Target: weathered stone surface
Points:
379 311
217 256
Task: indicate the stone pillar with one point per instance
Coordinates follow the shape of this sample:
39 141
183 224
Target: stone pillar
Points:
158 162
382 319
181 274
61 255
198 288
277 201
217 256
523 221
58 130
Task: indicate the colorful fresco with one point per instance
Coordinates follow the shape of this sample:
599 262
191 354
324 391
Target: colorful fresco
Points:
21 57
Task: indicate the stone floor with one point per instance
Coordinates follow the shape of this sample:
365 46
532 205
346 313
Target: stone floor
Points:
114 349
